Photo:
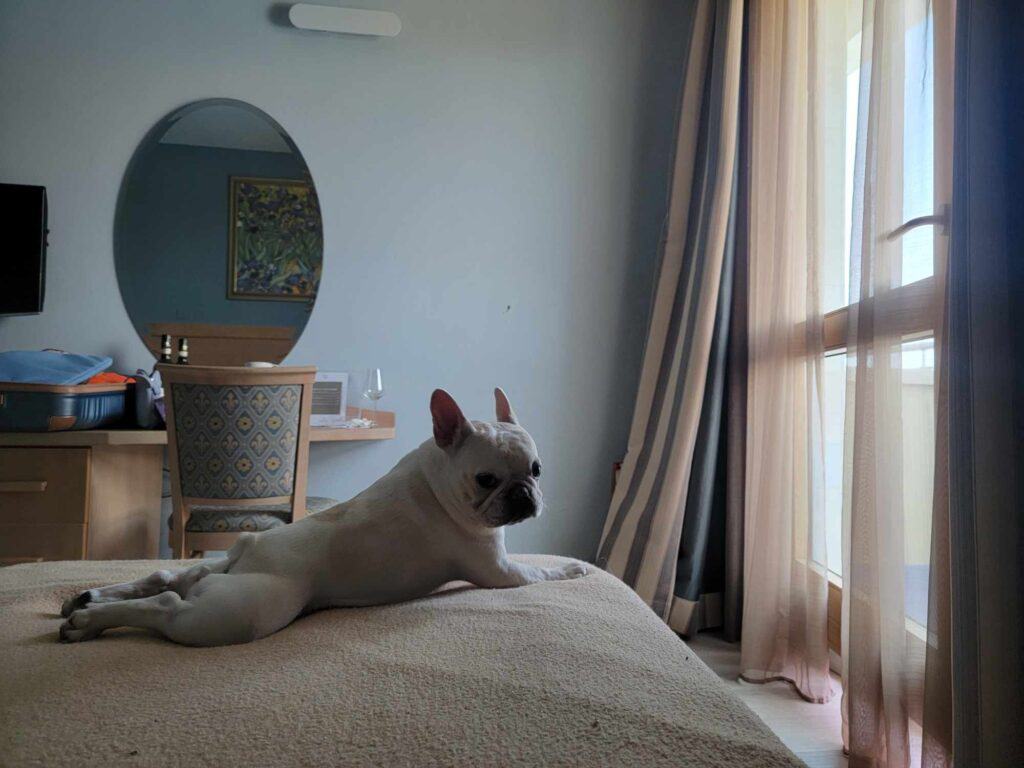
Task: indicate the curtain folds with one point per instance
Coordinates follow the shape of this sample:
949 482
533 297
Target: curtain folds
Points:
937 715
894 674
735 470
697 599
785 582
685 356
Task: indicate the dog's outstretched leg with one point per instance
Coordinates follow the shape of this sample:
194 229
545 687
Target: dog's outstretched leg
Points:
179 582
219 609
153 612
160 581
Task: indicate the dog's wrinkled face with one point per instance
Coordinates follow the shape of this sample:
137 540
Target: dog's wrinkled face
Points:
493 468
501 472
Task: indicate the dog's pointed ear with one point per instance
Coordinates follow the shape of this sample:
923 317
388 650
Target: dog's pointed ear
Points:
502 408
450 426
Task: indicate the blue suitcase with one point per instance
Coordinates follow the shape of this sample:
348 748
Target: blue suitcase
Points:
56 407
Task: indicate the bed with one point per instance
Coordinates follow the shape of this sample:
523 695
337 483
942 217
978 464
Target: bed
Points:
561 673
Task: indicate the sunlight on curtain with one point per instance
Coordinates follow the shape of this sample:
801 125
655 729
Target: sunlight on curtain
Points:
884 387
850 107
916 263
796 203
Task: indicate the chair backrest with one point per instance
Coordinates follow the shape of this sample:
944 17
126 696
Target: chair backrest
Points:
238 436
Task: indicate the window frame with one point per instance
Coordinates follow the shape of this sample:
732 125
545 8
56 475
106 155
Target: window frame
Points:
912 310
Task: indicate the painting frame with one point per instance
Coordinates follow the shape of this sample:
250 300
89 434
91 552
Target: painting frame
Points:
238 202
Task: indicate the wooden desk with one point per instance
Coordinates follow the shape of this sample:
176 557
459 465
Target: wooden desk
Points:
384 430
95 494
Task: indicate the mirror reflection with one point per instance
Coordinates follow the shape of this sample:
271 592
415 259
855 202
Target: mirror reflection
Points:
218 235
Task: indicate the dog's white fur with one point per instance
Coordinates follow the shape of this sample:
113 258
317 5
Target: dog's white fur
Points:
430 520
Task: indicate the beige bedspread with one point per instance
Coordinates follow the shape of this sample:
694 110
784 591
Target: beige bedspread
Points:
563 673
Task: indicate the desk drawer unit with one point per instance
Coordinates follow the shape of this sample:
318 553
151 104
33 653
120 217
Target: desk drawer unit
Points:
44 503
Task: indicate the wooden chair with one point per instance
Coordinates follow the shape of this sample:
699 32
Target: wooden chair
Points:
238 445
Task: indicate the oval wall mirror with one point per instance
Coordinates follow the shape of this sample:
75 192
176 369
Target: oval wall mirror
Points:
218 236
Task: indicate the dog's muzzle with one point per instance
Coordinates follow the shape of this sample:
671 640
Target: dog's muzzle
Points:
519 504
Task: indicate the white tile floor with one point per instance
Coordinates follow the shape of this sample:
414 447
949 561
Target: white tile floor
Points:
812 731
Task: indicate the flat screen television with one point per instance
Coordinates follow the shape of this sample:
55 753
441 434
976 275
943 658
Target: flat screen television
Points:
23 249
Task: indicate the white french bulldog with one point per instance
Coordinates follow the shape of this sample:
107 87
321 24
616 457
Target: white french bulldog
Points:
438 516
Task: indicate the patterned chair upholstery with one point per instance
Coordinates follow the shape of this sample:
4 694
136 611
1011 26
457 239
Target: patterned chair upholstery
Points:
236 444
214 519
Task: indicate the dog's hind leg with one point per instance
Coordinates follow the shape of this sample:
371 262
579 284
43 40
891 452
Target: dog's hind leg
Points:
220 609
158 581
149 612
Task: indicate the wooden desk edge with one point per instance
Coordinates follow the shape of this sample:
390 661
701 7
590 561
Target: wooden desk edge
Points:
83 438
93 437
331 434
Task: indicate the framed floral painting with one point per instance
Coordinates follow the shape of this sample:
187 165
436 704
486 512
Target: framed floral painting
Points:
275 241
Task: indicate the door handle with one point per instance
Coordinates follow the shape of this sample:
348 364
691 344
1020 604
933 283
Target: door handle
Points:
941 219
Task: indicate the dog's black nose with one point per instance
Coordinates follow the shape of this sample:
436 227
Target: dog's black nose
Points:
519 504
519 494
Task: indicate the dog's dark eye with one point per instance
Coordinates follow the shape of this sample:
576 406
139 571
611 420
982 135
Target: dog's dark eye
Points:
535 469
486 480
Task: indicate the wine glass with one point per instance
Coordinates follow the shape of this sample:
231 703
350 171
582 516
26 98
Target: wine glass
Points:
373 389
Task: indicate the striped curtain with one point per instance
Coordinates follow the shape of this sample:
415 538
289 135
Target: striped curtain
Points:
641 540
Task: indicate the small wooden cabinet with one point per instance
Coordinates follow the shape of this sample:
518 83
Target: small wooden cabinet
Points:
79 496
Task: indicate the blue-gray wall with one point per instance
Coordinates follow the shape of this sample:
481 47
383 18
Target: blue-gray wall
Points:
173 237
492 180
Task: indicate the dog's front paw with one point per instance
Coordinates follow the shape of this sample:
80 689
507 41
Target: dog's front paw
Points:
76 629
574 570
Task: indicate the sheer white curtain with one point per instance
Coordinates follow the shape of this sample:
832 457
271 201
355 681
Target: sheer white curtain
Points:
795 199
849 138
894 335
